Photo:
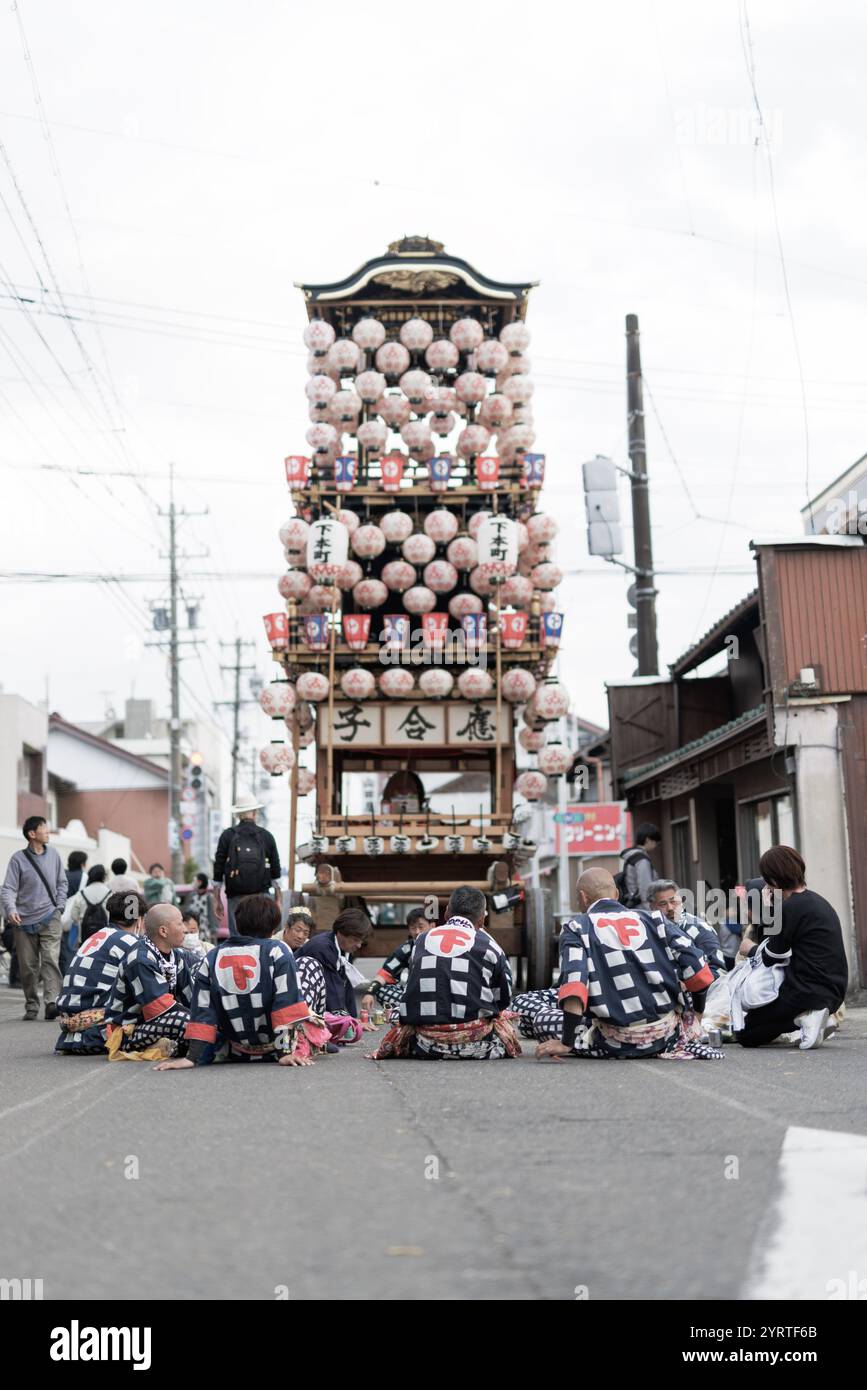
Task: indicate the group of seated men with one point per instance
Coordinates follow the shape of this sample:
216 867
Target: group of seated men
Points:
631 985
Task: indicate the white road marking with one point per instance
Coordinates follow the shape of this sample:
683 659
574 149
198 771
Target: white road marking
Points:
814 1243
55 1091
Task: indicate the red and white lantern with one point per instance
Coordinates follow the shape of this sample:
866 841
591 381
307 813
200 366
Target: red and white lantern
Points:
323 439
396 683
542 528
370 386
398 575
394 410
531 785
463 553
555 760
441 400
518 685
345 409
392 359
471 388
306 781
349 574
436 683
517 438
419 599
293 535
278 699
277 758
513 630
294 585
297 470
414 385
551 700
480 582
517 592
472 440
416 435
434 628
416 335
351 520
320 598
462 605
391 471
370 593
344 355
372 435
531 740
396 527
277 628
475 522
546 576
467 334
442 355
440 576
495 411
318 337
475 684
312 685
327 549
518 389
369 334
358 683
491 357
488 472
442 425
419 549
321 390
356 630
441 525
515 336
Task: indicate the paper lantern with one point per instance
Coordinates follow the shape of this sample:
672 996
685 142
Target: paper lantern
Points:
441 400
555 760
320 389
306 781
487 469
523 535
495 411
518 389
463 553
396 683
345 408
357 683
434 627
312 685
472 440
516 438
348 575
327 548
498 547
418 548
546 576
346 467
356 630
416 335
370 593
369 334
443 424
515 336
518 685
475 629
322 438
466 334
392 359
531 785
471 388
394 410
277 758
518 364
491 357
479 582
419 599
344 355
294 585
513 630
351 520
551 629
277 630
517 592
441 355
531 740
414 384
294 534
475 684
317 632
439 472
398 575
460 605
320 414
277 699
551 700
415 434
317 365
370 386
542 528
396 526
373 435
476 521
297 470
522 414
305 738
318 336
304 715
436 683
368 541
440 576
441 525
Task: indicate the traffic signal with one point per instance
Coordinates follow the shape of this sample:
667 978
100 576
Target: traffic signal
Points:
197 776
604 536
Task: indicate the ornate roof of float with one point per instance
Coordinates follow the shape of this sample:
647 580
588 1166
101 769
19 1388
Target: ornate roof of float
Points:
418 271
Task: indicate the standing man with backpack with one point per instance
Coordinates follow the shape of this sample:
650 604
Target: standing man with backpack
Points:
637 873
33 899
246 861
87 912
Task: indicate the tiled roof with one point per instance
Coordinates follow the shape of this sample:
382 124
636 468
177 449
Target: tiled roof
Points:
751 716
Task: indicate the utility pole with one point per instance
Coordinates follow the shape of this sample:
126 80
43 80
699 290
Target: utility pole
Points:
235 704
645 593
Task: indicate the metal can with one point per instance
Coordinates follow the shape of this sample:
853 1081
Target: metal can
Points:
713 1036
363 1016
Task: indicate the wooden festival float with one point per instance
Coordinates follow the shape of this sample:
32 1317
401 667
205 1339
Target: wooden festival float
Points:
420 616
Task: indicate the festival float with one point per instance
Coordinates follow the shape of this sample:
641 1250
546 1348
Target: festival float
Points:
419 627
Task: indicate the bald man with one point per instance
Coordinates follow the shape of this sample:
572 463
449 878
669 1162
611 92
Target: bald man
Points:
623 974
152 995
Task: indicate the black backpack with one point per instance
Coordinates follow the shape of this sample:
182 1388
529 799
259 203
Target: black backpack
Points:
247 870
95 918
632 856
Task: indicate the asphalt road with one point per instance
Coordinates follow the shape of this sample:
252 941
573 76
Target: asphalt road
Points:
354 1179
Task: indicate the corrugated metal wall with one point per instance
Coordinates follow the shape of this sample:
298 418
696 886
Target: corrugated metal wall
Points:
815 604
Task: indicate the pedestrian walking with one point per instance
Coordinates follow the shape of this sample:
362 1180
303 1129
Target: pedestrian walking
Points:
637 871
33 898
246 860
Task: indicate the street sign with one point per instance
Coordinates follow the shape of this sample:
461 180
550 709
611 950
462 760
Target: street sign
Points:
602 827
186 834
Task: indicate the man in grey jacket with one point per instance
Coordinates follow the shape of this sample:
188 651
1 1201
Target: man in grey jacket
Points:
33 898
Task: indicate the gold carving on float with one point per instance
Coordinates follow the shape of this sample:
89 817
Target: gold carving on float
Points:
417 281
416 246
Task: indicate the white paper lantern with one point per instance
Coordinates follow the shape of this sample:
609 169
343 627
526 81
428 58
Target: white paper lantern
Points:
373 435
317 364
320 414
495 411
369 334
443 424
471 388
318 336
348 575
327 548
418 548
531 740
480 582
312 685
542 528
306 737
475 684
294 585
321 597
416 335
518 684
518 364
518 389
344 355
396 682
441 355
294 534
436 683
357 683
551 700
304 714
462 605
517 592
306 781
498 547
463 553
466 334
419 600
392 359
476 521
516 439
351 520
414 384
320 389
472 440
370 386
531 785
345 408
322 438
491 357
398 575
441 400
522 414
415 434
441 525
394 410
370 593
548 602
515 336
546 576
368 541
440 576
396 526
277 758
555 760
277 699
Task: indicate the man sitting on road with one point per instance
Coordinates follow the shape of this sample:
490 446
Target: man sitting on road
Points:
152 993
458 987
387 988
246 1003
622 972
663 895
92 975
335 950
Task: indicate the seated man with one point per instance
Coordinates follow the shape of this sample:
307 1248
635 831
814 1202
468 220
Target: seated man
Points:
151 996
91 977
387 988
459 984
663 896
334 951
193 940
246 1004
622 971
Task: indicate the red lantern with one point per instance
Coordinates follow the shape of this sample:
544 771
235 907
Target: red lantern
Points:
513 629
277 628
487 472
297 470
434 627
356 630
391 469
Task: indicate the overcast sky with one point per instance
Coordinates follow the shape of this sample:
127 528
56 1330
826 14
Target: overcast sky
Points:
213 154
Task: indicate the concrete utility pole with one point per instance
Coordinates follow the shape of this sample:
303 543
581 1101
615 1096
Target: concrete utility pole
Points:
235 704
645 593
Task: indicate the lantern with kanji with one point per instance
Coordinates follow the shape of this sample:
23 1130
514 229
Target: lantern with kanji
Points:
555 760
441 576
357 683
463 553
396 682
531 785
441 355
475 684
436 683
518 685
327 548
370 593
277 629
312 685
278 699
398 575
551 700
369 334
418 548
294 585
392 359
356 630
318 337
419 599
466 334
498 548
416 335
277 758
396 527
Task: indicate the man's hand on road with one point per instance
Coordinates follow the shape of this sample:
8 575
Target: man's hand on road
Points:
289 1061
177 1064
552 1047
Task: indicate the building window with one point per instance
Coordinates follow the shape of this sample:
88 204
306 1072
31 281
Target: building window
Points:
30 772
769 821
680 854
